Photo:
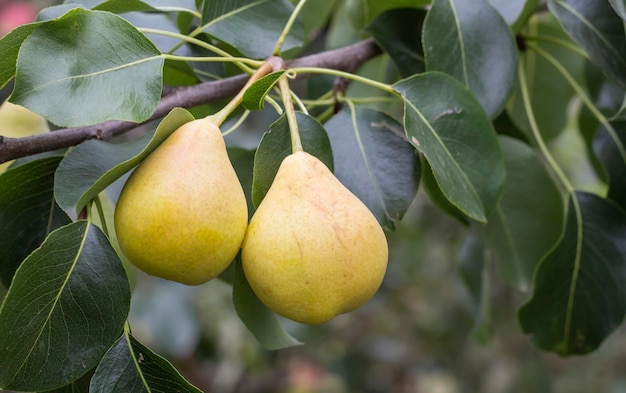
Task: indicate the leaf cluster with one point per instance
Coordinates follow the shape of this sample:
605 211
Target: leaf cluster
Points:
469 98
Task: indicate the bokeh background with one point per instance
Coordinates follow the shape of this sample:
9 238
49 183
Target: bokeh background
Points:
423 332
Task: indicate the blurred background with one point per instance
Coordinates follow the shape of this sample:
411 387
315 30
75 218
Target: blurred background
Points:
421 333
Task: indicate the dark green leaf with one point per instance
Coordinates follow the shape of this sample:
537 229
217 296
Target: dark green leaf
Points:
251 26
620 8
550 93
598 30
259 319
254 96
121 6
470 41
444 121
27 212
131 367
610 147
399 33
94 62
437 197
580 296
93 165
67 304
528 220
276 145
81 385
363 12
374 161
10 46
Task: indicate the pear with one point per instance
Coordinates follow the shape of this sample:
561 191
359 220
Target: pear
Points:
182 214
313 250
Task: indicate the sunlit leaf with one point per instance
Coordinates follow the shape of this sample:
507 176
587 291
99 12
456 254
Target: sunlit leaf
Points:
596 27
444 122
260 320
131 367
96 63
254 96
27 212
470 41
374 161
93 165
67 304
579 293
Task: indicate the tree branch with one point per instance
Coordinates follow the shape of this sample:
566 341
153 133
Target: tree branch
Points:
347 58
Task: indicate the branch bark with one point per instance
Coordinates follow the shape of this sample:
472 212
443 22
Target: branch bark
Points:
345 59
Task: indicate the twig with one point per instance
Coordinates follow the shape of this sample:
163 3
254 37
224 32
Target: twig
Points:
347 58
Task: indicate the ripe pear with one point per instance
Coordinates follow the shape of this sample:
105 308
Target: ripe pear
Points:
182 214
313 250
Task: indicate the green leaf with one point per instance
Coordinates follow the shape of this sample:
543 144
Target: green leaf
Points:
437 197
444 121
10 46
121 6
528 220
610 149
81 385
66 306
580 296
251 26
515 12
254 96
598 30
550 93
276 145
96 63
620 8
399 33
93 165
131 367
470 41
374 161
27 212
259 319
363 12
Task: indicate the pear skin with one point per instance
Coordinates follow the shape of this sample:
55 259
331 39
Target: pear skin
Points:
182 214
313 250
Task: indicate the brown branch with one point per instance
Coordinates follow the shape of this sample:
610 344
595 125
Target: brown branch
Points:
347 58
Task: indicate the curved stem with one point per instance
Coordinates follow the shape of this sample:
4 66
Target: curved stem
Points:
219 117
288 26
584 97
536 133
103 220
190 39
296 142
208 59
328 71
557 41
239 122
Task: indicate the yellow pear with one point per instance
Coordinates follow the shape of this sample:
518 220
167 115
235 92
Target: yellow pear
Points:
182 214
313 250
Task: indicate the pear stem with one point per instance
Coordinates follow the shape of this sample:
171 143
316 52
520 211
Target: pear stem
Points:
269 65
296 142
